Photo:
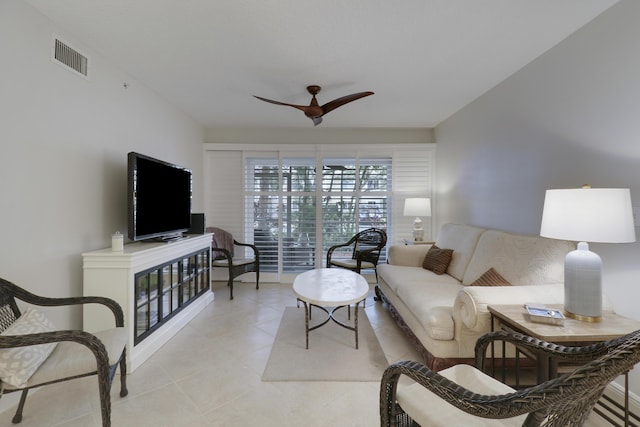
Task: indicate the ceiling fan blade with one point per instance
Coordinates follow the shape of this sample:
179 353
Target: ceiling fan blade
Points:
278 102
310 111
332 105
313 110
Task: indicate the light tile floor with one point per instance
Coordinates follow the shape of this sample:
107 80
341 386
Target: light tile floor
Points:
209 374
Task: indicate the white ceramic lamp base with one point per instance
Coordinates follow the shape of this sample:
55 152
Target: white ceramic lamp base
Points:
583 284
418 231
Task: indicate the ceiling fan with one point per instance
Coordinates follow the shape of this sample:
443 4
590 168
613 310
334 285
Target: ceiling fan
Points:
315 111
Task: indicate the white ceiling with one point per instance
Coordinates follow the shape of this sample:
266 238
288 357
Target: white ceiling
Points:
424 59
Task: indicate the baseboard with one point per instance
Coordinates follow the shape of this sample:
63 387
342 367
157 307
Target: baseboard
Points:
611 405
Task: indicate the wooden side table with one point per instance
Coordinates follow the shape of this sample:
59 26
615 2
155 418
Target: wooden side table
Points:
573 332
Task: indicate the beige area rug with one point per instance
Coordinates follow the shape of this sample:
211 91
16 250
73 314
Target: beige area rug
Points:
332 355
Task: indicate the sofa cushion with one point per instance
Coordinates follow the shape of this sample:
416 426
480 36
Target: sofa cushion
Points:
407 255
437 259
491 278
462 239
396 275
520 259
429 297
431 303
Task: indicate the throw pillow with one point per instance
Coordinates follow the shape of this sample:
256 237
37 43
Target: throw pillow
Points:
437 260
490 278
19 363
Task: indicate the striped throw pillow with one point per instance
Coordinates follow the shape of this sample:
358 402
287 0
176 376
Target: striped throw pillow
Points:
437 260
490 278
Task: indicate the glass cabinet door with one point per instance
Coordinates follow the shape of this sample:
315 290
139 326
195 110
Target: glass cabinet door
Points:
142 301
164 290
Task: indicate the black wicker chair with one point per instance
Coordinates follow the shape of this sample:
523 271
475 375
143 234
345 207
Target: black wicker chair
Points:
365 248
77 353
223 254
434 398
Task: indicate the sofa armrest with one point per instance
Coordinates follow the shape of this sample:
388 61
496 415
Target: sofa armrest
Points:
470 306
407 255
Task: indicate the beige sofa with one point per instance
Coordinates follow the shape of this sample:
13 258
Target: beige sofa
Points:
442 314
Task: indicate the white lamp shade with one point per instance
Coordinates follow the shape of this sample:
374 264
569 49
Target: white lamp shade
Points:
417 206
601 215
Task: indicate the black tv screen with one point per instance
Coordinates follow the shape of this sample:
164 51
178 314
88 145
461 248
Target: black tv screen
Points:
159 198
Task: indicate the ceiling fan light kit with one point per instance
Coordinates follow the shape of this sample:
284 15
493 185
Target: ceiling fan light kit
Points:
315 111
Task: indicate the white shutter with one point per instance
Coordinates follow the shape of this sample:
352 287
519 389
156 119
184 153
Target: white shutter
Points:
262 208
356 194
298 232
224 203
413 173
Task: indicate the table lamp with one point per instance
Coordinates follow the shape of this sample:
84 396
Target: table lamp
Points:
417 207
602 215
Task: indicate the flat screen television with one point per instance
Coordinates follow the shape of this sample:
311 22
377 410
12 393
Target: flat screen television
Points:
159 198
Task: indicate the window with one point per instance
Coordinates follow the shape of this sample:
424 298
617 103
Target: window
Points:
355 196
295 201
286 197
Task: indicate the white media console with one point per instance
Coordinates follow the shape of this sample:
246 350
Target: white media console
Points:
160 287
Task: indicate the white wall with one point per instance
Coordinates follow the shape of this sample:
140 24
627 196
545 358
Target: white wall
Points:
570 117
314 135
63 147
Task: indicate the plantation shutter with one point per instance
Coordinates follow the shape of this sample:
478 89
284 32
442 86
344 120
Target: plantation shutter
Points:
355 196
413 173
223 199
298 231
262 206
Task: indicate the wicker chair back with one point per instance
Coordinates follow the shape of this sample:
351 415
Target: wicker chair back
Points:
563 401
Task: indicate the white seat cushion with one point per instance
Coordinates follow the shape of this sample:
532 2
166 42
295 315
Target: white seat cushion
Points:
428 409
351 263
70 358
235 261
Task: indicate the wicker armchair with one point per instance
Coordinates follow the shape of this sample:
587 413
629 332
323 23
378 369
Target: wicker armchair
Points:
77 353
463 395
365 251
223 253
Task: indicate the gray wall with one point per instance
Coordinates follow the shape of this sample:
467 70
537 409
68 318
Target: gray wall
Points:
570 117
63 147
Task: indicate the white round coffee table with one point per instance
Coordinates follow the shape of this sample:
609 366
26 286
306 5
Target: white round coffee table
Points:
330 287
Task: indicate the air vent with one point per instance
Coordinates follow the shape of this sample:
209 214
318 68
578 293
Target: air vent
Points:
70 58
